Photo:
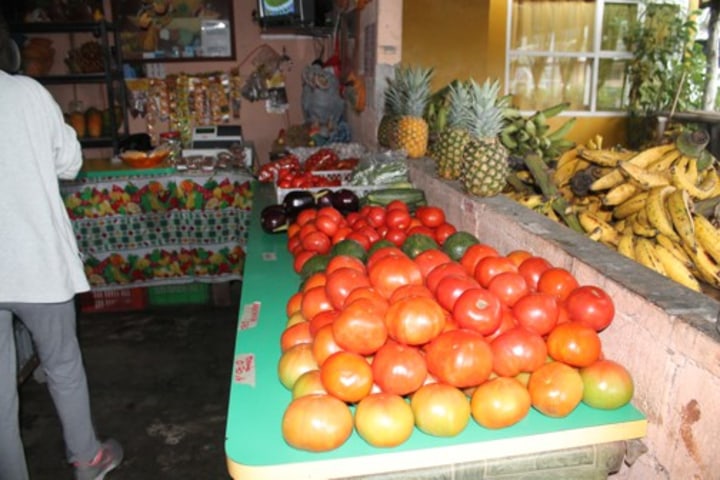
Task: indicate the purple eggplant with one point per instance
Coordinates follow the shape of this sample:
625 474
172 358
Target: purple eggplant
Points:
296 201
345 201
274 219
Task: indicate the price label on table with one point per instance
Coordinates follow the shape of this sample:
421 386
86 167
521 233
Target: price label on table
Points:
249 316
244 371
269 256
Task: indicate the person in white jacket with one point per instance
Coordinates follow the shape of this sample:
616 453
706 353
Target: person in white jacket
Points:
41 270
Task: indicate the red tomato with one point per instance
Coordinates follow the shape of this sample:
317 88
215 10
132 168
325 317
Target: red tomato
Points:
398 218
396 235
433 278
440 410
397 205
410 291
332 213
345 261
507 321
324 344
474 254
591 306
415 320
306 216
294 244
370 233
314 301
360 328
294 335
606 385
555 389
574 343
422 230
381 253
300 259
537 312
479 310
317 279
369 293
384 420
375 215
518 350
461 358
443 231
321 319
488 267
509 287
317 423
341 234
430 216
399 369
360 238
430 258
532 268
557 281
341 282
393 271
293 304
327 225
499 403
450 287
295 361
347 376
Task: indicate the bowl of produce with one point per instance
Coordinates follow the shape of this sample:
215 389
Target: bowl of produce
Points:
140 159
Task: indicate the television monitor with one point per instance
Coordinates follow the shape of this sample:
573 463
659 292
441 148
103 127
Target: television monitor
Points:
296 13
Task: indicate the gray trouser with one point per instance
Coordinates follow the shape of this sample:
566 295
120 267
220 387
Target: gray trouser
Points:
53 330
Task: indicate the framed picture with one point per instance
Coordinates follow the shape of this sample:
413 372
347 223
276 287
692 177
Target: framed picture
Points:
175 30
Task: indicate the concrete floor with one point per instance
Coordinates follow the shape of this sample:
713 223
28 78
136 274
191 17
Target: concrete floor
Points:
159 382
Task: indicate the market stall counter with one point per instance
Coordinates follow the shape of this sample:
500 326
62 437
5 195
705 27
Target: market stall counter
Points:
588 443
158 226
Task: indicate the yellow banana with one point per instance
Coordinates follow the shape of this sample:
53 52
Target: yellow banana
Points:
643 177
645 254
707 269
664 163
680 212
676 269
619 193
708 236
626 244
675 248
608 181
632 205
647 157
598 229
565 171
530 201
656 212
605 158
640 225
692 170
682 180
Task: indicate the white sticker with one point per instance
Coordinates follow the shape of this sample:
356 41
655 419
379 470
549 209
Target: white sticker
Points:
245 369
249 317
269 256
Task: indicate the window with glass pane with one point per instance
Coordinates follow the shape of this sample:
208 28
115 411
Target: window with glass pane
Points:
556 55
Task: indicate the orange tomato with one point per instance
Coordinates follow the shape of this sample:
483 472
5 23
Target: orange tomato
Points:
324 344
500 402
347 376
393 271
295 335
384 420
314 301
574 343
317 423
555 389
360 328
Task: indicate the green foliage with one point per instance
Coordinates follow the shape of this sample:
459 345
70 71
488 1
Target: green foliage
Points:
665 59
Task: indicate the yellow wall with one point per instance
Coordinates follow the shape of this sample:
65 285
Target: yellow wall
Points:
466 38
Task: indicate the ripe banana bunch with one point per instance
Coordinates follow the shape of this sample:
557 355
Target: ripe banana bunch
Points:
523 135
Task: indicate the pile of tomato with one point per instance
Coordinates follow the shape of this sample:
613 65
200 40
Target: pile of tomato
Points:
386 337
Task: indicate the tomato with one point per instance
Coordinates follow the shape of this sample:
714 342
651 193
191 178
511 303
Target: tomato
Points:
324 344
518 350
295 318
317 423
410 291
347 376
380 302
474 254
574 343
341 282
393 271
507 321
398 218
327 225
317 279
300 259
341 234
557 281
518 256
421 230
606 385
294 335
360 328
370 233
397 205
375 215
555 389
294 362
293 303
440 410
499 403
532 268
479 310
432 279
430 216
442 232
332 213
360 238
399 369
461 358
487 268
345 261
321 319
314 301
306 216
509 287
381 253
384 420
415 320
396 235
308 383
294 244
591 306
450 288
537 312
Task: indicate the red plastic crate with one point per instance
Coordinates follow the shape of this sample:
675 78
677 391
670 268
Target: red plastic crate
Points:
127 299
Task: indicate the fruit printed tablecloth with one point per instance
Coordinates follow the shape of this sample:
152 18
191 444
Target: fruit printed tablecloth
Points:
161 228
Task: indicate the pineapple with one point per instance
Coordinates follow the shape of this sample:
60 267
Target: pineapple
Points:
411 130
388 122
449 148
485 165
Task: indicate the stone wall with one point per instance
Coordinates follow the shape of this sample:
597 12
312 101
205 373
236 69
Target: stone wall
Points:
663 333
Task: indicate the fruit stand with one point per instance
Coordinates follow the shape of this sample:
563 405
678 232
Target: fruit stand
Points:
140 227
255 447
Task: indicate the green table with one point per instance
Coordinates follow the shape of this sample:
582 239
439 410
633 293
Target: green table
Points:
254 445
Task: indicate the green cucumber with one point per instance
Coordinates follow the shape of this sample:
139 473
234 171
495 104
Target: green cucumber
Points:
413 197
